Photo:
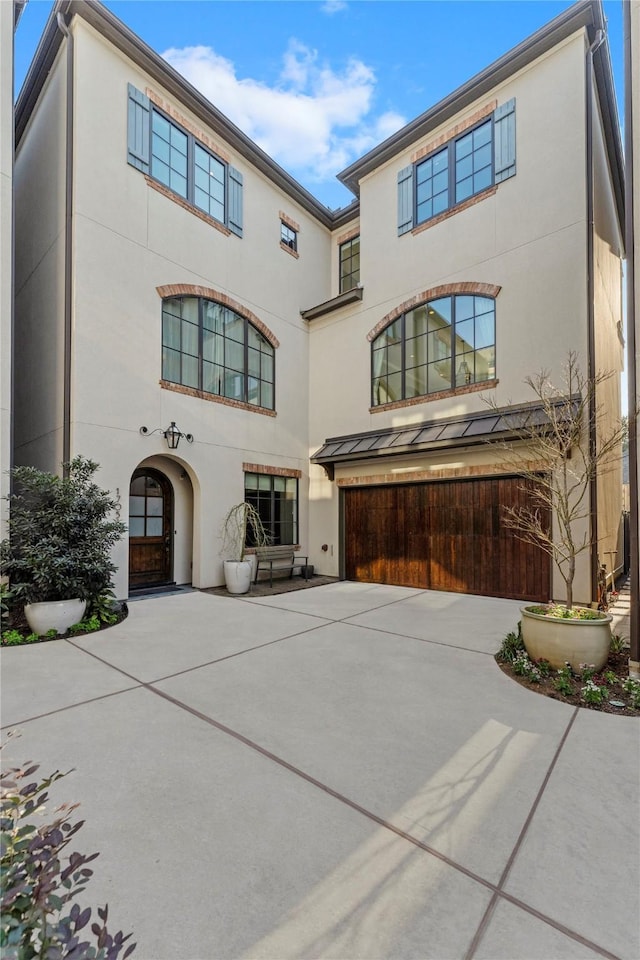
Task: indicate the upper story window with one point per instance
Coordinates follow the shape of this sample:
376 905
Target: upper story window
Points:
208 346
349 264
439 345
466 165
175 158
288 236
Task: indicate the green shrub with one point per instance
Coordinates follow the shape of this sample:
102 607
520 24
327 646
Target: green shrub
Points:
11 638
39 917
512 645
60 535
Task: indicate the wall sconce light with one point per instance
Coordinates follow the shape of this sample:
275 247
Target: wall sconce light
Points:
172 435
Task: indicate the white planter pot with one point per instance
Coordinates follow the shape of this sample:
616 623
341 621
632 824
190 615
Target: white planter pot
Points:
561 641
237 575
54 615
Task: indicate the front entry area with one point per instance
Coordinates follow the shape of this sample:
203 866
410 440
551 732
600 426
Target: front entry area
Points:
150 529
446 535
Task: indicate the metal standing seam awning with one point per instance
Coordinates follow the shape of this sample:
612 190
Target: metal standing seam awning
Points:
460 431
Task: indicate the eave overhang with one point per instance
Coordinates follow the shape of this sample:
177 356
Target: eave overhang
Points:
342 300
486 426
110 27
587 14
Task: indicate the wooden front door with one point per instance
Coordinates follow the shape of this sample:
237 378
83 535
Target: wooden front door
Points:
444 536
150 528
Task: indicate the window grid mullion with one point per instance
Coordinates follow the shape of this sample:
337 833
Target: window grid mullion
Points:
200 343
246 362
403 365
454 373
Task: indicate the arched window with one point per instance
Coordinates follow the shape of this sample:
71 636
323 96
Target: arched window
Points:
208 346
439 345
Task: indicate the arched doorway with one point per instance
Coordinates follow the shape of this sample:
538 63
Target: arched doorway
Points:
150 529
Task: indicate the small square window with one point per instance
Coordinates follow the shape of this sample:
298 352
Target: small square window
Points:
288 236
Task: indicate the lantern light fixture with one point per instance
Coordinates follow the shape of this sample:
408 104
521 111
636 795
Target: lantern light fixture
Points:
172 434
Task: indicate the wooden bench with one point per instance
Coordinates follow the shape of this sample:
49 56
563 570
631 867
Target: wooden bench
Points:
279 558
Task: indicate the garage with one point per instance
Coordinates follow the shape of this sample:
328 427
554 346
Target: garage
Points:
444 535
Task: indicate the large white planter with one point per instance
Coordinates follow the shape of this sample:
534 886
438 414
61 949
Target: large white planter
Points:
54 615
237 575
567 641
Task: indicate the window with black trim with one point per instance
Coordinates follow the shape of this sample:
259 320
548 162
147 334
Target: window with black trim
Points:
208 346
288 236
465 166
453 174
349 264
160 147
276 500
443 344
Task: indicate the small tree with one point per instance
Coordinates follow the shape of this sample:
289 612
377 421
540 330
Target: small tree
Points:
242 519
562 461
60 535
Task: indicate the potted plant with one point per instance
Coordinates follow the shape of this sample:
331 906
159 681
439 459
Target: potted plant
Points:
57 555
561 460
241 521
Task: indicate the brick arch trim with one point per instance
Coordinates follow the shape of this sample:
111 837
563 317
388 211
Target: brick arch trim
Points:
194 290
444 290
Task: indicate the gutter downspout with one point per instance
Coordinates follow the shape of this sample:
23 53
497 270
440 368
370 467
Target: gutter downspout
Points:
634 580
68 251
591 345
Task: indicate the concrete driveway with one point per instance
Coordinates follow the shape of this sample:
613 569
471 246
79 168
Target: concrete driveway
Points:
339 772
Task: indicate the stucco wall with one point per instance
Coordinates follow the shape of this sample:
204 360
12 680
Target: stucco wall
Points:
6 207
131 239
39 278
529 238
609 359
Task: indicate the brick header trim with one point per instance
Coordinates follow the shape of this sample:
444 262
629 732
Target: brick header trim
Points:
349 235
454 131
195 290
214 398
271 471
290 222
180 118
443 290
440 395
444 473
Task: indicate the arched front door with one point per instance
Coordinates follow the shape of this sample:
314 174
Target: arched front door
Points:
150 528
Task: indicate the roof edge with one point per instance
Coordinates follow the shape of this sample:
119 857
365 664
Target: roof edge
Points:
124 39
584 14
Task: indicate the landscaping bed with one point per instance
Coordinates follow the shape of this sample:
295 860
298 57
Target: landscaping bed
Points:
608 690
16 631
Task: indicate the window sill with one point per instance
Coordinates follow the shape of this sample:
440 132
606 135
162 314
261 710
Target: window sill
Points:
288 249
170 195
350 296
440 395
214 398
465 205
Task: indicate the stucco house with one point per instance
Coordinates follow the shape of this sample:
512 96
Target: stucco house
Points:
330 367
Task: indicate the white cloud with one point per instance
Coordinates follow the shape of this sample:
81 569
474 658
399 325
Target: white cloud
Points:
314 122
333 6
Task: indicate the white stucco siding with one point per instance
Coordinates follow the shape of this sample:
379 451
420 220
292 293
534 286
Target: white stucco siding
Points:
39 184
6 255
528 238
131 239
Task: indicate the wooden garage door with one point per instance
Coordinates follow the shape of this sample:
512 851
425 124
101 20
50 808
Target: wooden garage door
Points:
443 536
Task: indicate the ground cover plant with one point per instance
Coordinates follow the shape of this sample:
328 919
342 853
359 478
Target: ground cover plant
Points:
41 880
102 613
609 690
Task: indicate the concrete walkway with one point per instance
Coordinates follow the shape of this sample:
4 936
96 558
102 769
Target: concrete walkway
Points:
341 772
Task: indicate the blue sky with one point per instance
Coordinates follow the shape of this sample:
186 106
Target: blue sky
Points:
317 84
